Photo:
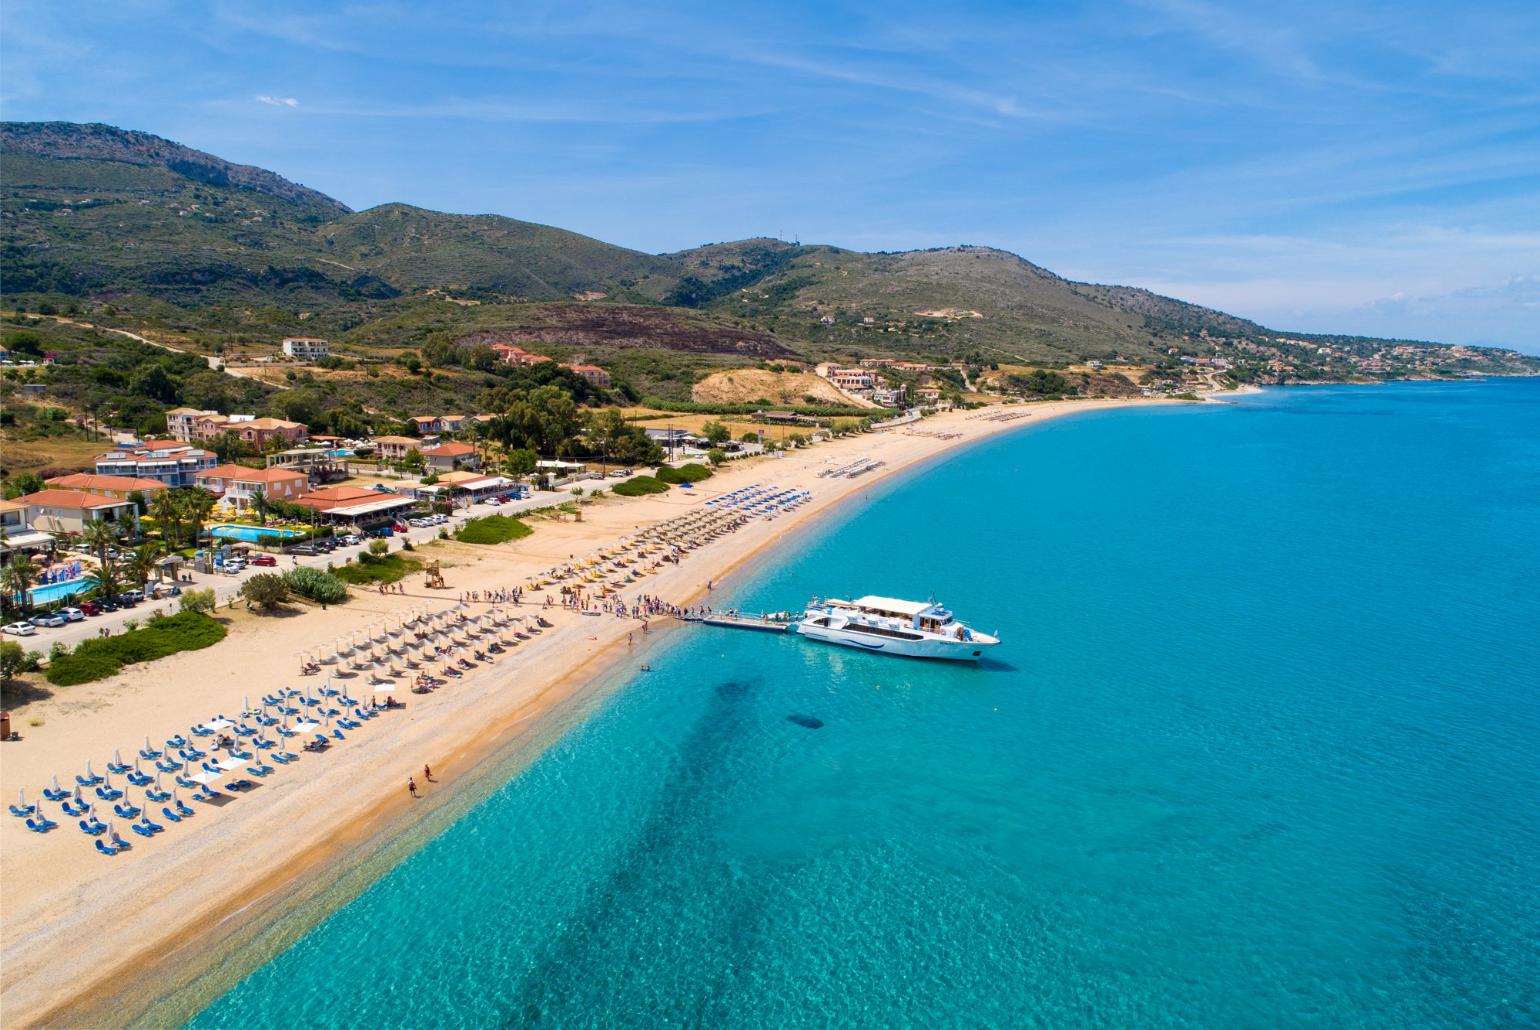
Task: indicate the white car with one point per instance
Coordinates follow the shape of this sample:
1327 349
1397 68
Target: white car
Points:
352 538
72 614
20 629
51 619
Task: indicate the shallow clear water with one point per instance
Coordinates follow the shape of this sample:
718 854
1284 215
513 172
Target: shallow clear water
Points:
1262 747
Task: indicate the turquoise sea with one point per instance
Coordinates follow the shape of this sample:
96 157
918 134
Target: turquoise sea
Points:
1261 748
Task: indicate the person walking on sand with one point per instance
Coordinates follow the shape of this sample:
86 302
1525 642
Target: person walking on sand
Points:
411 786
427 773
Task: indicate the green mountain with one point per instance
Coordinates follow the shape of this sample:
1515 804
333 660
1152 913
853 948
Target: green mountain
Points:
175 239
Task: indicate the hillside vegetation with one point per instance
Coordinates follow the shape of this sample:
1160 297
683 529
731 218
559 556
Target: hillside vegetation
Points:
157 236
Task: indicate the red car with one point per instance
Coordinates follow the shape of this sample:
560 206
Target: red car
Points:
264 559
91 608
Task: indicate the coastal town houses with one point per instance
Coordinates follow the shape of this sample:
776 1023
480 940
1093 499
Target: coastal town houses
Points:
189 425
593 373
447 457
305 348
452 423
70 511
239 485
16 535
511 355
108 486
171 462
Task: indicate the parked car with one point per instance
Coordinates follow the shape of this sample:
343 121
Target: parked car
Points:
92 608
494 501
399 527
133 596
20 629
72 614
303 549
620 473
352 538
53 619
265 560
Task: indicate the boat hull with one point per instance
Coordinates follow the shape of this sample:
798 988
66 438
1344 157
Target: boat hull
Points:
943 650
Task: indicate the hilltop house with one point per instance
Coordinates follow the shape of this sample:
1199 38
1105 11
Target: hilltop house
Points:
427 425
511 355
593 373
70 511
451 423
306 348
239 485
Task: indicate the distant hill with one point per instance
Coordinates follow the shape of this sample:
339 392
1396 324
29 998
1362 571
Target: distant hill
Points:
180 240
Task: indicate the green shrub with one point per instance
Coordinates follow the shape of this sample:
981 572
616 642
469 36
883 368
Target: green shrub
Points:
637 486
683 474
372 569
266 590
101 657
492 529
315 585
197 600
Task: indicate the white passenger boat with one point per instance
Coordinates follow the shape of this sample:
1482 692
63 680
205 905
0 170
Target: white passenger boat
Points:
887 625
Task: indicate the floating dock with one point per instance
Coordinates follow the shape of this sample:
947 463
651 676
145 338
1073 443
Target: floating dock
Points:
762 623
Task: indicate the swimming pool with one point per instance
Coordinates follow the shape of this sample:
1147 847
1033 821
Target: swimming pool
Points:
50 592
252 533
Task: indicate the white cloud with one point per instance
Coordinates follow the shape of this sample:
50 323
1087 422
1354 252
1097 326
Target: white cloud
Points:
263 98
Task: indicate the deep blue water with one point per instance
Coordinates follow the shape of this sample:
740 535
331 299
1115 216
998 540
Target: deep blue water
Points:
1262 748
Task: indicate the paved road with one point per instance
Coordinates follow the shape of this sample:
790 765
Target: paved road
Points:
227 587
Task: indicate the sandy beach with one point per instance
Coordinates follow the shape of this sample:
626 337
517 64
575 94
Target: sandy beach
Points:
89 940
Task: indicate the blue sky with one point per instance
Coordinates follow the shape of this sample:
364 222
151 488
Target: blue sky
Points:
1366 167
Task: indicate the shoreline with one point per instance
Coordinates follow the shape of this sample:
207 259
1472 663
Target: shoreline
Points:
190 934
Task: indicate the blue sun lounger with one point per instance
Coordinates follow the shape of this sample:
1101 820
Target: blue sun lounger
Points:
143 831
157 796
127 811
170 815
42 824
93 829
105 849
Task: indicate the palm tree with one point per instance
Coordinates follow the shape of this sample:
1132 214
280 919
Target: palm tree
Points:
165 510
196 505
16 578
99 537
141 563
259 505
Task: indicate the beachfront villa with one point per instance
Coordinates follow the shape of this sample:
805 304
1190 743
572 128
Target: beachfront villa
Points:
16 535
70 511
356 504
108 485
171 462
473 485
447 457
240 485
